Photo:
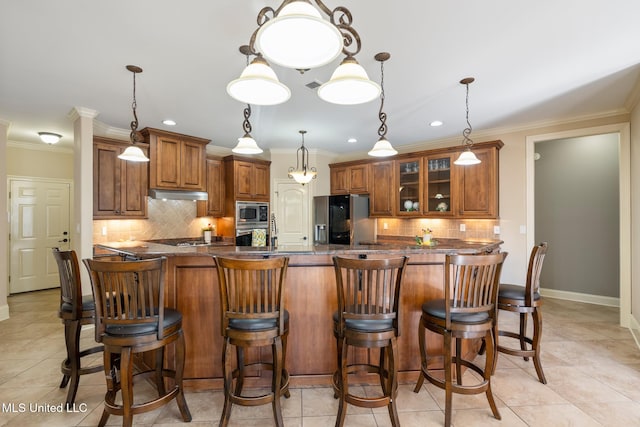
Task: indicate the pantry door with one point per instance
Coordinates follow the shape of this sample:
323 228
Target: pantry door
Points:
292 213
39 222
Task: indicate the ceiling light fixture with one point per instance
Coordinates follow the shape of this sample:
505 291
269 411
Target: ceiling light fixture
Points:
435 123
382 148
49 137
467 157
133 153
246 144
169 122
302 173
294 35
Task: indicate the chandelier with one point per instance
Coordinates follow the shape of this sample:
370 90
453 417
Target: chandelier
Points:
302 173
382 148
295 35
133 153
246 144
467 157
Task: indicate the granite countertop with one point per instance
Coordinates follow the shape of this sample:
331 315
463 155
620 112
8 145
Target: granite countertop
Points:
442 246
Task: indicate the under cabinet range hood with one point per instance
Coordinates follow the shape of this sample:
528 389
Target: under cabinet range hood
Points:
155 193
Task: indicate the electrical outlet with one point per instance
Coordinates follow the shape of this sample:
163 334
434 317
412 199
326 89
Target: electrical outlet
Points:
463 227
496 229
385 226
104 230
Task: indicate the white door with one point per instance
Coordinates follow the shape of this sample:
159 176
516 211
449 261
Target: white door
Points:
39 222
292 213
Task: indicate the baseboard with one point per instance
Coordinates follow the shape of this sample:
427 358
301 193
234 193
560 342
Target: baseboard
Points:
634 327
579 297
4 312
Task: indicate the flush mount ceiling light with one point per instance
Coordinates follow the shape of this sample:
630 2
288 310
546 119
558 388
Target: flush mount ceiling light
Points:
295 35
246 144
49 137
133 153
302 173
467 157
382 148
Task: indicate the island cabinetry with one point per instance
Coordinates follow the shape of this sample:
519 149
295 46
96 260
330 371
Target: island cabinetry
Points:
478 185
177 162
440 185
381 196
352 179
119 187
246 179
214 205
409 187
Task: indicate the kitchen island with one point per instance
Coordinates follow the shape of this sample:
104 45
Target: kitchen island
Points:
310 298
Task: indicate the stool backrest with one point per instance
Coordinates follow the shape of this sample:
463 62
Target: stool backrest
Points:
471 283
533 272
127 293
252 289
369 289
70 286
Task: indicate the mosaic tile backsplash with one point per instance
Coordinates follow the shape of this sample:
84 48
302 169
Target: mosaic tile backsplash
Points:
445 228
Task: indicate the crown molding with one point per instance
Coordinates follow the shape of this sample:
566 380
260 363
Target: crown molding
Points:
39 146
77 112
107 131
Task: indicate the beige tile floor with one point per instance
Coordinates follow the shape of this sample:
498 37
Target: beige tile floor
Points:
592 367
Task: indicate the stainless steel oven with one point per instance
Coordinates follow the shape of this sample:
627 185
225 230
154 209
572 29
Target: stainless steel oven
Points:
254 214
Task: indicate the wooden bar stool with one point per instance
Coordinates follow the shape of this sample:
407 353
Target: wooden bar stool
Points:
75 310
525 300
132 319
468 310
253 315
368 317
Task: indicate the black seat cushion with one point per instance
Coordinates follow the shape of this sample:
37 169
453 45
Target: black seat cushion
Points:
365 325
258 324
87 304
171 318
436 308
514 292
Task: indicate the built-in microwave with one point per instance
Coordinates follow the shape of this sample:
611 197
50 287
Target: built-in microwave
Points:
254 213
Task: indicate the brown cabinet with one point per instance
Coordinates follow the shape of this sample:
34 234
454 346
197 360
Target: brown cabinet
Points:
214 206
440 193
352 179
381 197
408 180
177 162
478 186
246 179
119 186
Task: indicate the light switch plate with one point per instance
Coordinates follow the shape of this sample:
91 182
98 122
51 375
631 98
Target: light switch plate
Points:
496 229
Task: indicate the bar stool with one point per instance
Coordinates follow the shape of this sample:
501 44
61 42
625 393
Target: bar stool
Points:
468 310
75 311
368 317
132 319
253 315
525 300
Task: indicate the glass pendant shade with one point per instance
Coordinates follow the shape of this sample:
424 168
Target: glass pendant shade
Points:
247 145
301 177
258 85
349 85
133 154
467 158
382 148
299 38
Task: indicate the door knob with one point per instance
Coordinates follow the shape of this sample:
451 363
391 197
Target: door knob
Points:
63 241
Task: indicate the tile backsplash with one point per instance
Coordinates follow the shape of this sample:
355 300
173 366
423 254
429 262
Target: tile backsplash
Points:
445 228
167 219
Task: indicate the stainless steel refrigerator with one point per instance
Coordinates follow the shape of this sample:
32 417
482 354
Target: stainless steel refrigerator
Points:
342 220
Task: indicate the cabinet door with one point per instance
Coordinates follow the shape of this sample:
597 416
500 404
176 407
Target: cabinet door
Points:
215 188
381 200
106 180
339 181
409 185
133 192
243 180
440 186
168 162
261 182
478 186
359 179
191 166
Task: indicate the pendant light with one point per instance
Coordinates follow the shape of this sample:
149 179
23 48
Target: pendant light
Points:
467 157
349 85
133 153
302 173
246 144
382 148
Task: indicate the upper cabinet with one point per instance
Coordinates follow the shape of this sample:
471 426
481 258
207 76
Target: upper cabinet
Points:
246 179
177 162
428 183
119 186
214 206
353 179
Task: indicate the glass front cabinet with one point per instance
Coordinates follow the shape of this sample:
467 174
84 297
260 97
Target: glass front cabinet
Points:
439 188
409 180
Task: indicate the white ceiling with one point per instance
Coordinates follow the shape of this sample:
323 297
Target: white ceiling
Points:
534 61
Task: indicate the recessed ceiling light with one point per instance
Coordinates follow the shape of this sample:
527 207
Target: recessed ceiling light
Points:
169 122
435 123
352 140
